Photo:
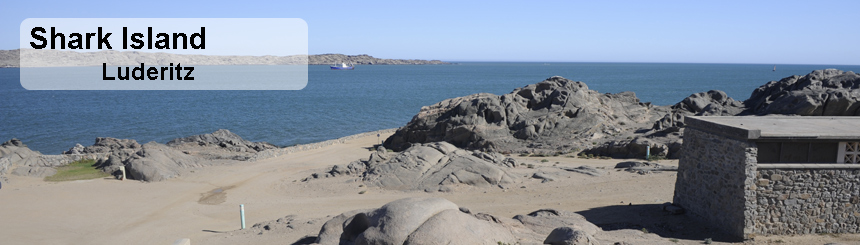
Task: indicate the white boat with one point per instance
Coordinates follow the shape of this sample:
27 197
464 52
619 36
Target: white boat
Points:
343 66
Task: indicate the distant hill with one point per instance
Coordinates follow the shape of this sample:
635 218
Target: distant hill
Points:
363 59
9 58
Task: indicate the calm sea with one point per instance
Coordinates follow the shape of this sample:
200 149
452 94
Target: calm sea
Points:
338 103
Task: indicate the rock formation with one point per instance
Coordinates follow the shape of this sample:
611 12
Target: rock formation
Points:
437 166
432 220
149 162
221 144
559 115
16 158
157 162
553 115
828 92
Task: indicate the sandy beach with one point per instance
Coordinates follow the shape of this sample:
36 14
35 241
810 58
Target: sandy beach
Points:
204 205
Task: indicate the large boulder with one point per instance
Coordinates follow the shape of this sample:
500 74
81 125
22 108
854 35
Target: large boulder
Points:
221 144
426 220
556 114
827 92
157 162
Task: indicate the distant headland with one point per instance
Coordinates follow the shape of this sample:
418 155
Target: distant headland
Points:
10 58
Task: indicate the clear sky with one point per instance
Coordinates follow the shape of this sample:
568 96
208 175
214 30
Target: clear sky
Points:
768 32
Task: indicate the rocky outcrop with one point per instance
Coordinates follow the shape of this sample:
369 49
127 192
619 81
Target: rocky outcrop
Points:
157 162
149 162
553 115
16 158
711 103
113 150
828 92
107 145
559 115
221 144
437 166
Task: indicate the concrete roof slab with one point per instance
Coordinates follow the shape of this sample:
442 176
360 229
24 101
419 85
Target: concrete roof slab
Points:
782 127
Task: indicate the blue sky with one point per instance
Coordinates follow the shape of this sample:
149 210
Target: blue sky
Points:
768 32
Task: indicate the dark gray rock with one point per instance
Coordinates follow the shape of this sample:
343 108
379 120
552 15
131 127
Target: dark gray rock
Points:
14 142
827 92
711 103
556 114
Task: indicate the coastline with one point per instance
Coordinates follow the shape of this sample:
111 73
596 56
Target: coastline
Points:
63 58
312 146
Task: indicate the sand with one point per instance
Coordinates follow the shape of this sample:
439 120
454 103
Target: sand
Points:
204 205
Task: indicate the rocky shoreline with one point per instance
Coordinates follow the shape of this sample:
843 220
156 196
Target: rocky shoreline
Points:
465 144
152 161
558 116
10 58
554 117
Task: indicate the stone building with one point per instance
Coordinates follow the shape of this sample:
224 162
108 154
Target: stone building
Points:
771 175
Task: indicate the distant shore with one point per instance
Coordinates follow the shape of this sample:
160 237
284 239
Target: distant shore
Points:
54 58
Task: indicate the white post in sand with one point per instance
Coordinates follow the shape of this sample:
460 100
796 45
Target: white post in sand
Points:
122 169
242 214
648 153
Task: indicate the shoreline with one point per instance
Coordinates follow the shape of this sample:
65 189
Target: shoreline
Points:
312 146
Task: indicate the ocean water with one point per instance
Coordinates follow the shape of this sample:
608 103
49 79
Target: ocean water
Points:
338 103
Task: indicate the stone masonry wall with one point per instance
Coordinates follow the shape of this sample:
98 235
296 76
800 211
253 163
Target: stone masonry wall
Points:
804 201
713 174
